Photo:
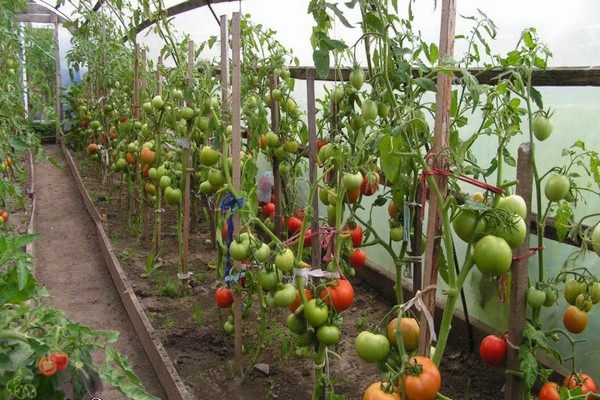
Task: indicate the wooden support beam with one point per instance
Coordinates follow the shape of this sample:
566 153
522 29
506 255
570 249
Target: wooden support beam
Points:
519 281
58 83
312 165
557 76
236 145
441 132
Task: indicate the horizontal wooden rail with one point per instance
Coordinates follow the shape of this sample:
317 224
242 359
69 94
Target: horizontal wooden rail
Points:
556 76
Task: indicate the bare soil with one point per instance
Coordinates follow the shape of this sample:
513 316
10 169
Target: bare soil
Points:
71 267
190 327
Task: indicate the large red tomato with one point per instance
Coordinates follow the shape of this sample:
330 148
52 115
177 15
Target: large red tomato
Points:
422 379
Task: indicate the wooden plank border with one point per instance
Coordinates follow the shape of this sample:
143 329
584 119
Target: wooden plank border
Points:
157 355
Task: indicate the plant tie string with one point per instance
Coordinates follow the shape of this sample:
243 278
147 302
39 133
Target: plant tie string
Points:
502 289
228 204
419 304
433 170
530 253
185 276
510 344
314 273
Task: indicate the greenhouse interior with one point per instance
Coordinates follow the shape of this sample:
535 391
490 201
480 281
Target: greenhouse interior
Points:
385 199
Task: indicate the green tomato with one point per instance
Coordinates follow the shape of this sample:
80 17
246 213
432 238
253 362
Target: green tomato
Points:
272 139
285 296
468 227
337 94
187 113
542 127
285 261
290 105
296 324
263 253
513 204
216 178
371 347
551 296
594 292
352 181
324 197
157 103
277 95
584 303
397 233
164 181
316 312
206 188
209 156
357 78
557 187
228 327
383 110
595 239
492 255
239 250
515 234
368 110
535 297
173 196
329 335
268 279
573 288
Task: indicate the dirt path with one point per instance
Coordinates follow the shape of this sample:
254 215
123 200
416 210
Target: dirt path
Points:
71 266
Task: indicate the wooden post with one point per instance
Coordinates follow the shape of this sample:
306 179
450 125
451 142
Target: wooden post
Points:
312 163
416 244
276 175
57 75
144 80
519 279
135 100
186 191
441 131
224 67
235 155
159 78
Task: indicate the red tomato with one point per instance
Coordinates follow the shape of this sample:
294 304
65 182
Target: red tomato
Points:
47 367
352 195
370 184
549 391
493 350
145 172
421 383
294 306
356 235
358 258
269 209
321 143
294 225
308 238
4 216
340 296
223 297
584 381
61 359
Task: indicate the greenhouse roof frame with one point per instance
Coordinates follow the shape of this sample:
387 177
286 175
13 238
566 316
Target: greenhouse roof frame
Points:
38 13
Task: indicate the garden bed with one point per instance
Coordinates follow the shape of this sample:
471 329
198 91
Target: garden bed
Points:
189 327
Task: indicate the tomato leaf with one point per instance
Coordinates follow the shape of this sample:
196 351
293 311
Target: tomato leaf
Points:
426 84
321 60
338 13
564 215
529 366
390 162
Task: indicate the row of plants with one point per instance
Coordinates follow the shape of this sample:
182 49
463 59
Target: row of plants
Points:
375 134
43 354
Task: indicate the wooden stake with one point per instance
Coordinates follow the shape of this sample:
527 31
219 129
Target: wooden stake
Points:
186 191
57 76
312 173
159 78
441 130
135 99
235 155
144 82
276 176
519 279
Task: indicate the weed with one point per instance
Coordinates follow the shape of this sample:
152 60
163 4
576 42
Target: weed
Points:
152 316
363 322
197 313
126 255
168 287
168 323
115 238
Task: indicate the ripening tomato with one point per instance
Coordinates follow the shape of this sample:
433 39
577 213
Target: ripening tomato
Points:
584 381
340 296
268 209
410 332
380 391
224 297
493 350
370 184
422 379
298 300
61 359
294 225
358 258
47 367
549 391
356 235
575 320
392 209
